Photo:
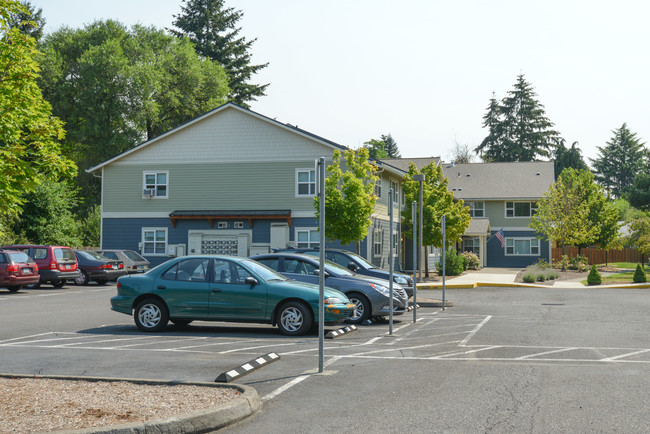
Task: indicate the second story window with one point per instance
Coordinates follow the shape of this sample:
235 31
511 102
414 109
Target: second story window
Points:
475 208
395 186
521 209
378 188
305 182
155 184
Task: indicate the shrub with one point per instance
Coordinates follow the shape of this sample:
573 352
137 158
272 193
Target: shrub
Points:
473 262
552 275
580 263
639 274
594 276
541 277
528 278
563 263
542 264
454 263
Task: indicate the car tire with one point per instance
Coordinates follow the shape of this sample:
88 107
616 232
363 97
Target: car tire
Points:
82 279
33 285
100 282
58 283
150 315
181 322
294 319
362 309
14 288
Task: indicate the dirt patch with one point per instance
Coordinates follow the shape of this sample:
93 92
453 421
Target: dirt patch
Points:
562 275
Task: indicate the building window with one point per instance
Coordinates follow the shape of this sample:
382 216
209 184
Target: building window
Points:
395 243
155 184
307 237
395 186
154 241
378 188
521 209
472 244
238 225
522 246
377 241
305 182
476 208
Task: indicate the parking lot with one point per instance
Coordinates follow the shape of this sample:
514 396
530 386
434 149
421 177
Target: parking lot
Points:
506 345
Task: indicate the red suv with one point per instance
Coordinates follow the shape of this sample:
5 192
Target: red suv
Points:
56 264
17 269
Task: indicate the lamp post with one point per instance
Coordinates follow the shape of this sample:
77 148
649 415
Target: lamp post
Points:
420 177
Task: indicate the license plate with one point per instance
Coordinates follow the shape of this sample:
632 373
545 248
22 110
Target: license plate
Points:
67 267
114 267
140 267
27 271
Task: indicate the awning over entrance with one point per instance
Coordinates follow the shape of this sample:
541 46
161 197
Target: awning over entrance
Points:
212 215
478 226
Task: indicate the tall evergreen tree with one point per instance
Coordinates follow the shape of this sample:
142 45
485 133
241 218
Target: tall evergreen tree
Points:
518 129
568 157
212 27
28 20
620 161
639 194
390 146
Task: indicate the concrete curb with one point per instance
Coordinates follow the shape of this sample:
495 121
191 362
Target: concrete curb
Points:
432 302
525 285
194 422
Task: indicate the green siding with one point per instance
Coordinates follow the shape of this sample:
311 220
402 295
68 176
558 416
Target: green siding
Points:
496 211
238 186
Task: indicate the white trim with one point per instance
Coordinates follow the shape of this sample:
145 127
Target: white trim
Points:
142 231
395 191
380 243
309 170
155 173
303 214
539 246
308 230
134 215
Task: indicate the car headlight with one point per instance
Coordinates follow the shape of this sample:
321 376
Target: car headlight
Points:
381 289
402 280
333 300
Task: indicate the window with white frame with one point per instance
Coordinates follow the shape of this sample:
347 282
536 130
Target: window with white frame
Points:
154 241
521 209
395 186
378 241
395 243
156 183
472 244
307 237
378 187
522 246
476 208
305 182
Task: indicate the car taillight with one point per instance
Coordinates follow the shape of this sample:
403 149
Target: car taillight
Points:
54 265
106 266
121 266
119 285
12 269
35 266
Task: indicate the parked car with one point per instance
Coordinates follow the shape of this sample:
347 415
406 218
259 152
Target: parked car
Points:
224 288
17 269
357 264
133 262
56 264
370 295
94 266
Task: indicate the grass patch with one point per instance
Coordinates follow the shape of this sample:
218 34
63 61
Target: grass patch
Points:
625 277
621 265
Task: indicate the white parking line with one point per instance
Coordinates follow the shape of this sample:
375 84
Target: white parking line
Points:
473 332
544 353
610 359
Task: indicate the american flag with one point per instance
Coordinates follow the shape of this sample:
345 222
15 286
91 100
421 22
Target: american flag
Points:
502 240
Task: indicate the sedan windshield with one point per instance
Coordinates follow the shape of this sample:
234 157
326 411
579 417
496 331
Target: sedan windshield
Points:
362 261
264 272
93 256
336 268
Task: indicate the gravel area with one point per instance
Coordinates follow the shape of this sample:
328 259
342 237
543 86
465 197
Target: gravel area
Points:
29 405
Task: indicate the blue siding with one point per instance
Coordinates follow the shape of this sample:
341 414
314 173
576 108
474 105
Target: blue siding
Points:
496 256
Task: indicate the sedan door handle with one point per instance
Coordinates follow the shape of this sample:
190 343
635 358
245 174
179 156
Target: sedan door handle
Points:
216 290
162 287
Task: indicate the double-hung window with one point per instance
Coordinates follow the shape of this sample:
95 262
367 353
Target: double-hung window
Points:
378 241
378 187
476 209
307 237
154 241
522 246
395 186
521 209
156 184
472 244
305 182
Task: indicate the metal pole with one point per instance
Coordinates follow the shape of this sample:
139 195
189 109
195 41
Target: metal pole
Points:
414 212
390 261
443 225
420 177
321 265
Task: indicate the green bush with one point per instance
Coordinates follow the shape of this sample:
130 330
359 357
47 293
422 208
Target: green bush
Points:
563 264
594 276
541 277
639 274
528 278
542 264
552 275
580 263
473 262
455 263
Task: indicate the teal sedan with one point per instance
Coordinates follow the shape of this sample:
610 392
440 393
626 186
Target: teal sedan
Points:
224 288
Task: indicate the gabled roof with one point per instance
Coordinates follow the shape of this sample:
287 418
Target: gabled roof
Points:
228 105
498 181
403 163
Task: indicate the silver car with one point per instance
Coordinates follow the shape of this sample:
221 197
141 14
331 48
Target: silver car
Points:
369 294
133 262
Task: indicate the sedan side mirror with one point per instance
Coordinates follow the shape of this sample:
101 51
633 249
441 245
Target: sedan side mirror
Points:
352 267
317 272
251 281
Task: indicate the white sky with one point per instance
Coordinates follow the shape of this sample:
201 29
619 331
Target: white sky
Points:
424 71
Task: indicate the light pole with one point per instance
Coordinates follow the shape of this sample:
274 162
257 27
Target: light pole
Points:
420 177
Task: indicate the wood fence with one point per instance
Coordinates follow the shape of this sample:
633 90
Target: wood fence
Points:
599 256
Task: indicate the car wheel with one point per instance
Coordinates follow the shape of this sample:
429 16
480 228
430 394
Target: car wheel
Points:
181 322
101 282
151 315
362 308
13 288
33 285
82 279
58 283
294 318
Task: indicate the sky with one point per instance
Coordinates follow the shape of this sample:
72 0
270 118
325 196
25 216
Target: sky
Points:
425 70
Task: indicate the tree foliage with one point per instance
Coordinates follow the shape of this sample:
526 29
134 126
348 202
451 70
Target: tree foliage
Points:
461 153
212 28
116 87
620 161
639 236
518 129
28 20
376 149
437 201
576 212
390 146
568 157
639 193
29 150
349 197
